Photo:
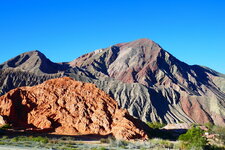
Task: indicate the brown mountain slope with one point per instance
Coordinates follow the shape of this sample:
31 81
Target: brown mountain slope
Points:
65 106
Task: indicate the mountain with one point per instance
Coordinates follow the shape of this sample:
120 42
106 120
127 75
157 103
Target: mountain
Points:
142 77
155 86
32 68
65 106
28 69
35 62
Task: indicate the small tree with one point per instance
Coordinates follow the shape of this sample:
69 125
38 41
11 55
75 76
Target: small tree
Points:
193 139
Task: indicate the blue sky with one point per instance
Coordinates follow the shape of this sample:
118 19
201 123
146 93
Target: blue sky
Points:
191 30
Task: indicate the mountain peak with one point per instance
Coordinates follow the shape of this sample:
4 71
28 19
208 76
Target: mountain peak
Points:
123 61
32 52
143 40
137 43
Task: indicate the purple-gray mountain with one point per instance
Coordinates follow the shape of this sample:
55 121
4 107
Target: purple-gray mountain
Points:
145 79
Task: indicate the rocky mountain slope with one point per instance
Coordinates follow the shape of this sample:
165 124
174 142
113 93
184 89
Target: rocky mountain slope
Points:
66 106
142 77
158 86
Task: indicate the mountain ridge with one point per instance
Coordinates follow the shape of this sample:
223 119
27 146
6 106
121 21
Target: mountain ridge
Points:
37 62
144 78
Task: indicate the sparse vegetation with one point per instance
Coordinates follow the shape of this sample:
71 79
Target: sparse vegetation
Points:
162 143
155 125
39 139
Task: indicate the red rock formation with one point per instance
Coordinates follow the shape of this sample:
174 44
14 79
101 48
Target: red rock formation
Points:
68 107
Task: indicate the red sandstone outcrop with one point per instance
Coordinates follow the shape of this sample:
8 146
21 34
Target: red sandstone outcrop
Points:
69 107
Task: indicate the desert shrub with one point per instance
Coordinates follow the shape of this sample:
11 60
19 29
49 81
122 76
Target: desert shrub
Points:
6 126
193 139
161 143
155 125
166 144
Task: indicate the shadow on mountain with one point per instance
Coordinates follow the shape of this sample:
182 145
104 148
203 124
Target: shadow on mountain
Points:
160 103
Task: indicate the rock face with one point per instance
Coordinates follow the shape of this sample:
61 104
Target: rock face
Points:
142 77
66 106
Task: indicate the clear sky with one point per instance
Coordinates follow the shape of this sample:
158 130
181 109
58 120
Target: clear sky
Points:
191 30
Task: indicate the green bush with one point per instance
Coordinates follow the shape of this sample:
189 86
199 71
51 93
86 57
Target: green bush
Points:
193 139
155 125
